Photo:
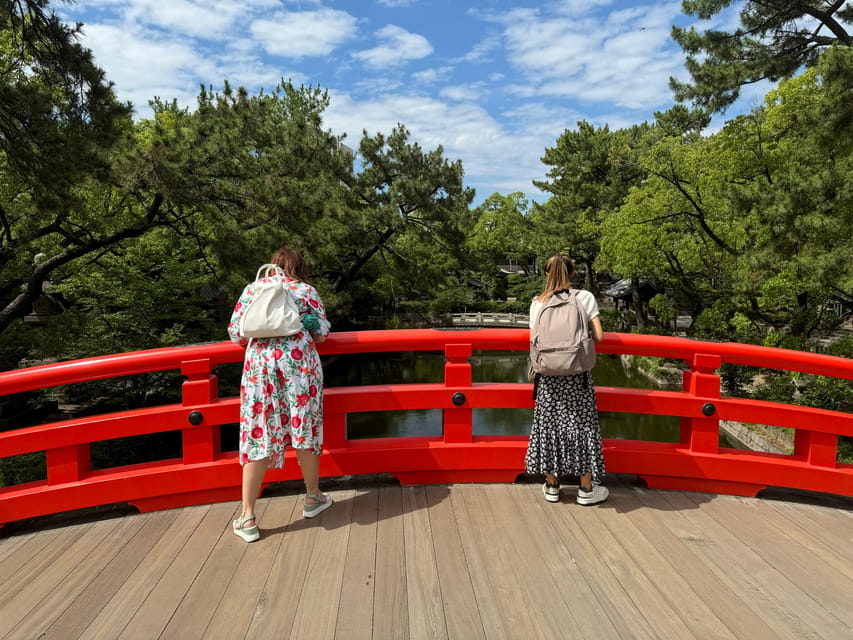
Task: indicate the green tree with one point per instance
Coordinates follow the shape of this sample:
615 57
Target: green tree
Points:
753 223
501 235
591 172
775 39
59 122
403 223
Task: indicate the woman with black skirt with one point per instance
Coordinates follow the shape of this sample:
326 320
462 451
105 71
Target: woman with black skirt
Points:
565 439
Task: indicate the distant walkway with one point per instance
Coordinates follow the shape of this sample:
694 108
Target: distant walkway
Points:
491 320
460 562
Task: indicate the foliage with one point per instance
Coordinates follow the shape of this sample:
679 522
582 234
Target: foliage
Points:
755 217
775 39
59 124
591 171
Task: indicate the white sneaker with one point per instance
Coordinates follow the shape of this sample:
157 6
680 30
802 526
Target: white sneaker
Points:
552 493
593 496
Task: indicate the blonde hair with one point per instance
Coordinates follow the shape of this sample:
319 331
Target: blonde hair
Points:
559 272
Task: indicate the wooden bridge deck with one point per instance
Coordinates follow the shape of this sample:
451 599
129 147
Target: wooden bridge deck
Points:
461 561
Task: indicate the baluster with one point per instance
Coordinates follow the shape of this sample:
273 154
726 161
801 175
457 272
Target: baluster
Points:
69 464
702 435
201 442
816 448
457 373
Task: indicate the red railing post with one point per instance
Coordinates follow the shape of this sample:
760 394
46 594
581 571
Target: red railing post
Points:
458 423
819 449
68 464
201 442
334 430
702 435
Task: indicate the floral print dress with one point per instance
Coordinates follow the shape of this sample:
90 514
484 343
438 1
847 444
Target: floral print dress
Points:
281 390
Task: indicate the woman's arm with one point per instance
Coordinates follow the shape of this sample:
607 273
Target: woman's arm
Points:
597 331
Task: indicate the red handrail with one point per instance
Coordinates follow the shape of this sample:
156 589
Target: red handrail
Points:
206 474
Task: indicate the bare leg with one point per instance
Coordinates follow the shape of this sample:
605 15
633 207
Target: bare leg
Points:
551 479
586 481
253 477
310 463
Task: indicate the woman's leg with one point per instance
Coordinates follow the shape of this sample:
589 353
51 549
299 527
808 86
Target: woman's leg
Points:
586 481
253 477
310 464
551 479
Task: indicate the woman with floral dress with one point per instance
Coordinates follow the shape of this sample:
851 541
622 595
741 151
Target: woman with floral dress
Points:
281 395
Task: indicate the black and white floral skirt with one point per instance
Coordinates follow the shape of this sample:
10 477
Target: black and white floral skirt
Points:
566 437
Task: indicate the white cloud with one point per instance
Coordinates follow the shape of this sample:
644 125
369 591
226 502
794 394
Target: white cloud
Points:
292 34
431 76
463 93
144 65
625 58
498 158
483 50
398 46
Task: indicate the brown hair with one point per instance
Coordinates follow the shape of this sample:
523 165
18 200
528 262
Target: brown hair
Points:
292 263
559 271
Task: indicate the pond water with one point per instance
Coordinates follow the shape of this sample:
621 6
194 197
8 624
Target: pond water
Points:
487 366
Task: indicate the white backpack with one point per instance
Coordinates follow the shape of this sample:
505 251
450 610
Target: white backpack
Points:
560 342
271 312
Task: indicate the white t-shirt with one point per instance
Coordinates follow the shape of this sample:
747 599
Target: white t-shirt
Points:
583 296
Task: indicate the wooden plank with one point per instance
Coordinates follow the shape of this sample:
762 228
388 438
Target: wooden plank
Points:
516 612
812 538
423 591
36 557
606 594
457 592
723 555
48 594
652 558
541 593
355 609
10 545
552 548
681 545
317 611
115 615
475 550
276 605
160 604
818 580
390 609
198 606
244 592
635 582
829 525
106 582
782 603
21 601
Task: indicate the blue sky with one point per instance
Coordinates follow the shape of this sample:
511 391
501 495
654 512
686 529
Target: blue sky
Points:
494 82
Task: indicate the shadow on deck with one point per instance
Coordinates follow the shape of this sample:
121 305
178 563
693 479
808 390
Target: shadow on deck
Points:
462 561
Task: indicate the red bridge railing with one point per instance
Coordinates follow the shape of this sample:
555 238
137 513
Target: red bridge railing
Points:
207 474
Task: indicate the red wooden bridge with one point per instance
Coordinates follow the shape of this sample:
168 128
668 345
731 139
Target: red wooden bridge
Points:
446 553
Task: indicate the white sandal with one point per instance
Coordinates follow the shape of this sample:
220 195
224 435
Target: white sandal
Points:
324 501
249 534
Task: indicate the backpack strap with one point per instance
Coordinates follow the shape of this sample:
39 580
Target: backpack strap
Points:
265 269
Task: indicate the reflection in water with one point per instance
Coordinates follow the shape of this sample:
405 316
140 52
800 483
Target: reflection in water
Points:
487 366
